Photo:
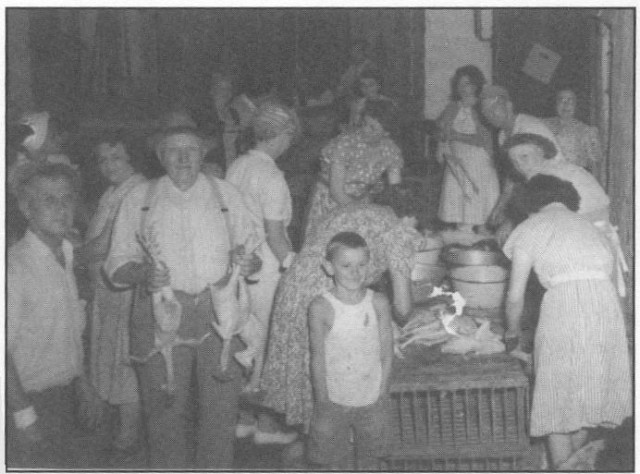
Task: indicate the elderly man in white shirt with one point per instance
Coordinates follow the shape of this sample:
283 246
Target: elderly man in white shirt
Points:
45 321
200 224
497 107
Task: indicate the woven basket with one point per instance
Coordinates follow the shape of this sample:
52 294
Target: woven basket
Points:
482 286
458 463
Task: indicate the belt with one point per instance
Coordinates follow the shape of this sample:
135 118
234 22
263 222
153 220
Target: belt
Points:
579 275
195 298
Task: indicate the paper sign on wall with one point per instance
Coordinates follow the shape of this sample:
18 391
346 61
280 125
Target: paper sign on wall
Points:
541 63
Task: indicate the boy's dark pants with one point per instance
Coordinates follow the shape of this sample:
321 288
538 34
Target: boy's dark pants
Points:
330 431
197 374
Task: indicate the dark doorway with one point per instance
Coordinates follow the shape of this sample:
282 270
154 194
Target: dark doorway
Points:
570 33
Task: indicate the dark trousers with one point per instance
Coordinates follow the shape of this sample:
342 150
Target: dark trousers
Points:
204 407
64 446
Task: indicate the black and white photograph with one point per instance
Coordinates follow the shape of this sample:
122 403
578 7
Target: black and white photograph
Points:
306 238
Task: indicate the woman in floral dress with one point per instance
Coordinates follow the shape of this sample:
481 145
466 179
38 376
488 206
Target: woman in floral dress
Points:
353 163
392 241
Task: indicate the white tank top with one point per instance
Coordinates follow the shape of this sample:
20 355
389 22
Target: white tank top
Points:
352 353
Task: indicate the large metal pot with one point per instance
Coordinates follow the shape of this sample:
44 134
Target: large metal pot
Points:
455 255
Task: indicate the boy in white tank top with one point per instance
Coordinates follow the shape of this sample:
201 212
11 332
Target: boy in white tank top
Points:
351 341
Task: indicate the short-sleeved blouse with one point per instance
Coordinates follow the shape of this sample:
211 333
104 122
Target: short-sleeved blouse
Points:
365 159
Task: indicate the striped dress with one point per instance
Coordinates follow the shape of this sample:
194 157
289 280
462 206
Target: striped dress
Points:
581 357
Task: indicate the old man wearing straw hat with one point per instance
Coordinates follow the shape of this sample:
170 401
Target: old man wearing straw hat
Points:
200 225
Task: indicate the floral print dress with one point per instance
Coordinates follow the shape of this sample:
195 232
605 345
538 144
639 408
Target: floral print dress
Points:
365 158
286 377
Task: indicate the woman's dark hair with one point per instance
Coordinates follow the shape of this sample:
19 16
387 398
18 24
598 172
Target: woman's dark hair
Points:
474 74
548 148
385 112
543 189
133 145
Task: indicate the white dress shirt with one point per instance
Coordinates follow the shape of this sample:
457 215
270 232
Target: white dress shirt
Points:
45 317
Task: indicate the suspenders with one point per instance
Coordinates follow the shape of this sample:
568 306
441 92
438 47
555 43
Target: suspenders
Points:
151 198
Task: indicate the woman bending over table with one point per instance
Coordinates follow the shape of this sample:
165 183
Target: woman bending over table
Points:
581 356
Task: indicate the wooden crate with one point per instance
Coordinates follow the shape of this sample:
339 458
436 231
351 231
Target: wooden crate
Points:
460 462
442 403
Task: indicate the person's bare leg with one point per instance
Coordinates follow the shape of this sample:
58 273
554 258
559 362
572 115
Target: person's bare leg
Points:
129 425
560 448
578 439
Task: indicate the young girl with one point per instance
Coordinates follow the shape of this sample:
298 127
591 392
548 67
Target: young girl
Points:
470 188
351 353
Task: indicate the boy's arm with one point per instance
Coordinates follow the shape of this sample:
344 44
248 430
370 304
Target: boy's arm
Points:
320 321
383 310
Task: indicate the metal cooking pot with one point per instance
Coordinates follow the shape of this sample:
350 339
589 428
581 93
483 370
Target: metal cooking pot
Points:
454 255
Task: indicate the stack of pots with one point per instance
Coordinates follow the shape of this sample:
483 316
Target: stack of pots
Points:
428 270
478 274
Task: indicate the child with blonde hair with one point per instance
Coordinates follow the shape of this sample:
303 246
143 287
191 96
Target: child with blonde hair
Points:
351 340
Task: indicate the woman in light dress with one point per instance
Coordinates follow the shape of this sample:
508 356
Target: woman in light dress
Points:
581 356
470 188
